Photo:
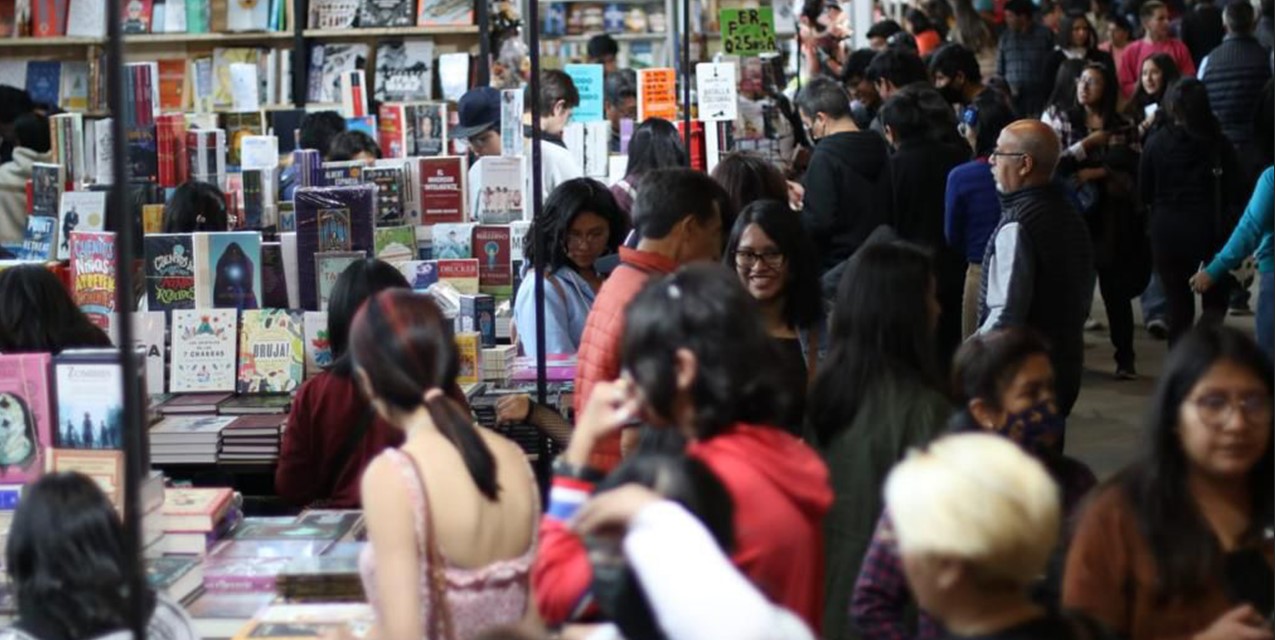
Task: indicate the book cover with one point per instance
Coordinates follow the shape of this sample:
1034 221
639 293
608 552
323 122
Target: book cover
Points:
228 270
86 19
420 274
469 349
318 349
404 70
44 81
335 60
291 621
311 528
462 274
26 416
453 75
519 239
353 84
443 191
207 155
389 195
333 14
499 190
242 575
204 348
391 128
48 18
335 229
193 403
247 15
170 138
286 213
359 200
47 183
256 407
149 328
79 211
427 129
264 549
491 246
223 90
238 127
343 174
172 85
229 606
137 16
170 271
657 94
93 274
38 239
255 184
478 315
434 13
271 351
90 402
453 241
328 266
106 468
395 244
173 576
387 13
74 92
274 285
197 16
511 138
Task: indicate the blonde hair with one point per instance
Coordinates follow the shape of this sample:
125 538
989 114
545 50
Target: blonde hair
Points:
978 498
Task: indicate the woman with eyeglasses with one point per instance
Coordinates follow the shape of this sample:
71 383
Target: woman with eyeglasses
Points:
1179 544
1099 165
771 253
1077 40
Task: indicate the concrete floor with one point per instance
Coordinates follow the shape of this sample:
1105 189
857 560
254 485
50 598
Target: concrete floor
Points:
1106 424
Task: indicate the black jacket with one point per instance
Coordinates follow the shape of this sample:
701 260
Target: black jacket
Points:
1192 211
848 193
1202 31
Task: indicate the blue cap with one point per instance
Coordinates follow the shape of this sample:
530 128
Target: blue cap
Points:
477 111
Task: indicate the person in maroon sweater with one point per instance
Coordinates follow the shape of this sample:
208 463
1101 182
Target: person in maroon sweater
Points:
332 432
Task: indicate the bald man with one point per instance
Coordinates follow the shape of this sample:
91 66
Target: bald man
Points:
1038 271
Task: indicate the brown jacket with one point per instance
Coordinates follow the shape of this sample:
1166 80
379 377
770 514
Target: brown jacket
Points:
1111 575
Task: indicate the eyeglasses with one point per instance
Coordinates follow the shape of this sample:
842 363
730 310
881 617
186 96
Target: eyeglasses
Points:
592 238
1089 82
1216 409
1005 154
748 259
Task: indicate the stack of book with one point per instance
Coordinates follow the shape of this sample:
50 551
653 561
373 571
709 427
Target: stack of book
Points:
326 578
196 518
179 578
498 363
187 439
193 403
153 496
251 439
310 621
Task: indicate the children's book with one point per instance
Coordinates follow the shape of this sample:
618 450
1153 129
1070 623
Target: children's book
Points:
204 349
320 230
26 410
170 271
271 351
93 274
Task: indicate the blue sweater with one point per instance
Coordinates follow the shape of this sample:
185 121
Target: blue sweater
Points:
1253 231
566 310
971 208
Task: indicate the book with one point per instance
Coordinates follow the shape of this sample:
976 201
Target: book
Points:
453 75
328 266
242 575
148 338
48 18
426 128
322 579
256 406
206 149
44 80
519 238
391 128
657 94
420 274
47 184
314 528
333 60
263 549
274 285
347 522
74 92
491 245
203 350
86 19
188 403
26 411
389 194
248 15
90 400
461 274
478 315
387 13
66 132
238 127
321 227
333 14
259 152
137 16
343 174
499 190
227 270
38 238
395 244
271 351
79 211
170 271
177 578
469 350
93 274
443 190
170 140
221 615
404 70
281 621
453 241
318 349
353 87
106 468
433 13
511 138
189 509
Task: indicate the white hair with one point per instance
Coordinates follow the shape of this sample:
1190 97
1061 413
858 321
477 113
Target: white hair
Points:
978 498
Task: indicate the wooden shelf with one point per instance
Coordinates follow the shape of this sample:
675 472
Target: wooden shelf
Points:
61 41
390 32
619 37
179 38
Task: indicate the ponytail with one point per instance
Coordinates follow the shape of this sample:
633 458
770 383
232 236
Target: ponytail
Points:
459 430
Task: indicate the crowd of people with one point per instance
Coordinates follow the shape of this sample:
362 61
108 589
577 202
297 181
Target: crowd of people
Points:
824 403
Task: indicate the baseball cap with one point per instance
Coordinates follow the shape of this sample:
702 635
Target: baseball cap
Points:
477 111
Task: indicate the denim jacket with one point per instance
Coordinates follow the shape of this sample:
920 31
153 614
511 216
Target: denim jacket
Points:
566 309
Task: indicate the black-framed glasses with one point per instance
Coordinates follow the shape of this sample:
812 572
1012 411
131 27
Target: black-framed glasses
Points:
1005 154
748 259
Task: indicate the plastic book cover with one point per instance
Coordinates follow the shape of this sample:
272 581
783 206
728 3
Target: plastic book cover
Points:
170 271
204 349
499 190
90 401
93 274
443 190
79 211
359 200
318 349
395 244
491 247
26 416
328 266
311 529
404 70
263 549
38 239
453 241
389 194
271 351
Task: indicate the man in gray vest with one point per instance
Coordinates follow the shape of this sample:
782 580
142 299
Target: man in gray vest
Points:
1038 271
1234 74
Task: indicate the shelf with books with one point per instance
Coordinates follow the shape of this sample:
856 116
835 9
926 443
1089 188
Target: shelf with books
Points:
40 43
180 38
390 32
619 37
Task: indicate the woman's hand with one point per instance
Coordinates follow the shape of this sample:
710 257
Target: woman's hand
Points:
1096 140
1241 623
513 409
1201 282
796 195
613 510
608 409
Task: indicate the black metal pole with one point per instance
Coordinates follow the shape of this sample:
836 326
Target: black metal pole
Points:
686 74
484 42
134 458
300 66
537 187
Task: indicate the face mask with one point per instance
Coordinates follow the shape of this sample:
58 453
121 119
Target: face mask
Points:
1037 429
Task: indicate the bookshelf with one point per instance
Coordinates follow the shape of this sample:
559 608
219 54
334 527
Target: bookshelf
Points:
659 46
390 32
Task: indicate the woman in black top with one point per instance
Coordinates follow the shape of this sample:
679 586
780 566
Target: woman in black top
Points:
1077 40
772 255
1157 73
1190 180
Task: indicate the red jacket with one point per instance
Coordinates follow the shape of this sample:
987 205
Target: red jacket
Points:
781 493
598 359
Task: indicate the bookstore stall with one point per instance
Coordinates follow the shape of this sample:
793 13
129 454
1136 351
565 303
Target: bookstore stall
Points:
214 331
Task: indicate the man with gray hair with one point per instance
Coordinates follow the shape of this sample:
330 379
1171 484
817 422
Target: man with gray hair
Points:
1039 267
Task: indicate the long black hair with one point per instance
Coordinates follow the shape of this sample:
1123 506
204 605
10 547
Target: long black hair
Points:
1064 31
803 305
360 281
195 206
400 340
990 113
704 309
68 560
986 365
748 176
655 144
564 204
1107 107
38 315
1187 553
1186 102
1169 72
880 328
1063 96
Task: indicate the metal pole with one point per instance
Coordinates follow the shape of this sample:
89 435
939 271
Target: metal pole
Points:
484 43
686 74
134 457
300 67
537 187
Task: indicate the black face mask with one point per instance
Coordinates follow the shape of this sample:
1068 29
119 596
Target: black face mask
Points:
952 94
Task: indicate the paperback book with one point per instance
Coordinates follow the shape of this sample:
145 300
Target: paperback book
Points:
420 274
227 270
453 241
499 190
318 349
93 274
389 194
204 348
404 70
26 412
38 239
443 190
491 247
319 230
462 274
271 351
328 266
90 400
79 211
170 271
395 244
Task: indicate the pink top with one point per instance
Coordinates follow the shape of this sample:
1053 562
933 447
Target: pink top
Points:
1129 66
480 598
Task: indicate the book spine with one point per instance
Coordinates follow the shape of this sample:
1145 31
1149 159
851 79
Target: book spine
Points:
239 584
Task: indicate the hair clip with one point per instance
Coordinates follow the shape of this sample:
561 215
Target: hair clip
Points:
674 291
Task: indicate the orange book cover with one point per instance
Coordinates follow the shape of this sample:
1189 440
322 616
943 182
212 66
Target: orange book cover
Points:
172 85
105 467
657 94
